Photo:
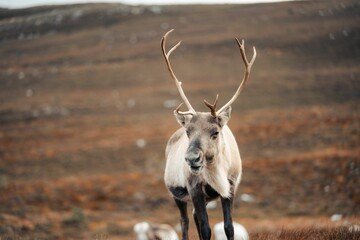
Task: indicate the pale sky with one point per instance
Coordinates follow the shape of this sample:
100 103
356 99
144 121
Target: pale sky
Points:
30 3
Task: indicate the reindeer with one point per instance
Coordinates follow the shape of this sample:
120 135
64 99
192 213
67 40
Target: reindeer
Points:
202 157
154 231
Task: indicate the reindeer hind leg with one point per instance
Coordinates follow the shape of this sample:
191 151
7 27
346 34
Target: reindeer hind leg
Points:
228 223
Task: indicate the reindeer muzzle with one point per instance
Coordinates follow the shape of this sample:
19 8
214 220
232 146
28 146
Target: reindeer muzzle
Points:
193 158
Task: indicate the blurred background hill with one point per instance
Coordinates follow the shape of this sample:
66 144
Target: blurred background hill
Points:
86 110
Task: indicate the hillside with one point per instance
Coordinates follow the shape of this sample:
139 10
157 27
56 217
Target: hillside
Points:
86 110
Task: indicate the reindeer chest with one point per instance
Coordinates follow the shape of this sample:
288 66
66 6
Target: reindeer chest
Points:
183 193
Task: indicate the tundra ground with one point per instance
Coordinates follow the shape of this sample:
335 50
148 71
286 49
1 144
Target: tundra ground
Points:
86 110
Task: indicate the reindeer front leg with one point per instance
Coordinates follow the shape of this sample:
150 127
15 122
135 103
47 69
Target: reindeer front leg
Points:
200 214
196 222
184 218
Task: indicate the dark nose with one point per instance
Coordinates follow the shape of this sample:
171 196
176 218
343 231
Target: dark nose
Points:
193 157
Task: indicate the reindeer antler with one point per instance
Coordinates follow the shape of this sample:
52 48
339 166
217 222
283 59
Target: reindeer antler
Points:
177 110
212 106
248 66
177 82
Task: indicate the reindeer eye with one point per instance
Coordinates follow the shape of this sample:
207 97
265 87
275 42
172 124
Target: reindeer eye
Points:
189 130
214 135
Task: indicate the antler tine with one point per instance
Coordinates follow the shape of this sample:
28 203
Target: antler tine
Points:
248 66
177 110
177 82
212 106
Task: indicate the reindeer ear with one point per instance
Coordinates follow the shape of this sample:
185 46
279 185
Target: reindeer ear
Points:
224 116
183 119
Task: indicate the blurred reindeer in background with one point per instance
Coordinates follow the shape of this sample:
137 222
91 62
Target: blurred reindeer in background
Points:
202 158
240 232
154 231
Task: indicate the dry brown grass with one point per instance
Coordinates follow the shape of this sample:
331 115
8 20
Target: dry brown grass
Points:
339 233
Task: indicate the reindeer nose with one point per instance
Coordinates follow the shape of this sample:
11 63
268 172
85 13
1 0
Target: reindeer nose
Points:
193 157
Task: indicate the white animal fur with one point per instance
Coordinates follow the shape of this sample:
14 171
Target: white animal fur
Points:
240 232
226 166
153 231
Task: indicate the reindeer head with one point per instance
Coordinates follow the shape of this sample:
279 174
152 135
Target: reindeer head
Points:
204 130
205 137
